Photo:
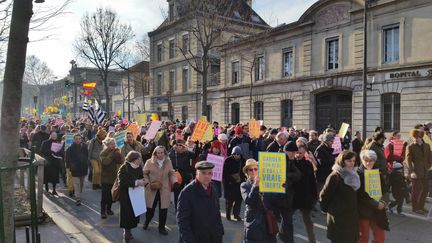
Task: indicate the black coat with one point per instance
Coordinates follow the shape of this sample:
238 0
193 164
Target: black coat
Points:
255 219
313 145
305 190
77 159
52 166
398 185
127 177
231 187
198 215
357 145
182 163
275 147
339 201
326 160
37 140
257 146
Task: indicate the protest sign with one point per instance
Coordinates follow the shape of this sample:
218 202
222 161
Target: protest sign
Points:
204 118
58 122
337 145
55 147
200 130
154 117
69 140
137 199
343 129
134 129
45 120
272 172
141 119
398 147
158 136
208 135
154 128
120 139
111 129
373 184
254 128
218 162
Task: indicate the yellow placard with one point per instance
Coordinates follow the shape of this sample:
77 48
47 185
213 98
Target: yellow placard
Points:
141 119
203 118
373 184
154 117
208 135
343 129
272 172
134 129
200 130
427 140
254 128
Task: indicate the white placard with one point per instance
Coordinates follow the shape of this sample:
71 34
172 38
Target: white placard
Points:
137 198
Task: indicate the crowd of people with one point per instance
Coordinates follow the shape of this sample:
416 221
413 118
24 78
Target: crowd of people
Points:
318 178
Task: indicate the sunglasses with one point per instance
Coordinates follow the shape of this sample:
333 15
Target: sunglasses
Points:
253 169
235 154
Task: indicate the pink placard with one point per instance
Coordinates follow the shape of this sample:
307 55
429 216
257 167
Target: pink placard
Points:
154 128
337 145
218 161
398 147
55 147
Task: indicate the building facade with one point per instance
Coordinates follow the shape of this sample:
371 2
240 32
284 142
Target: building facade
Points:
309 73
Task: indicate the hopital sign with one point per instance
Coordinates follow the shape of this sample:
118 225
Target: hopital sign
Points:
410 74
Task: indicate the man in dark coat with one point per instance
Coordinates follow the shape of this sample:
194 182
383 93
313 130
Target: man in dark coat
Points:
38 138
326 159
278 144
198 212
313 141
271 137
77 162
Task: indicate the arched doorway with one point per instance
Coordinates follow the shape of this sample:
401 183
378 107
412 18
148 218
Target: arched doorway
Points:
332 107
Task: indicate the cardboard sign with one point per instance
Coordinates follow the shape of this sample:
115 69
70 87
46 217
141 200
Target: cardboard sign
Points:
153 129
398 147
120 139
208 135
199 131
254 128
154 117
218 162
337 145
141 119
134 129
343 129
55 147
272 172
373 184
203 118
69 140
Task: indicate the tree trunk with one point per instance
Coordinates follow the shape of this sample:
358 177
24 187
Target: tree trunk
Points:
106 91
11 106
204 85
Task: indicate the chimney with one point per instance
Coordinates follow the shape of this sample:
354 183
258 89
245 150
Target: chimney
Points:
249 2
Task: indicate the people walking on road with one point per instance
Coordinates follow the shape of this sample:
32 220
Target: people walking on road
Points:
159 177
232 179
338 199
95 147
198 212
357 145
39 136
398 187
77 162
325 158
131 145
53 153
110 157
130 175
255 214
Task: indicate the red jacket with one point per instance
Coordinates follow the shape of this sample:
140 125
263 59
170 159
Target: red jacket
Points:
390 156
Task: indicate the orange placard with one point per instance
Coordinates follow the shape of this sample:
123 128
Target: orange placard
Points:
133 128
200 130
89 85
254 128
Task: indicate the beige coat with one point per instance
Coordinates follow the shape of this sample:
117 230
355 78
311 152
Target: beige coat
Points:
419 159
165 175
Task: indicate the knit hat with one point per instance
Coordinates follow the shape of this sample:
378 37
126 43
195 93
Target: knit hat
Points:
236 150
222 136
216 144
273 131
291 147
397 165
238 130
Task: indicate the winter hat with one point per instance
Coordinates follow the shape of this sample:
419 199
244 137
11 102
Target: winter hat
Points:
238 130
216 144
291 147
327 137
273 131
236 150
397 165
222 136
249 163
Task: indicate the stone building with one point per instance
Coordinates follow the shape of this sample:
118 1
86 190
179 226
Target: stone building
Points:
309 73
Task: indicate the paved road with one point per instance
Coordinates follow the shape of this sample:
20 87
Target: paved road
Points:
86 218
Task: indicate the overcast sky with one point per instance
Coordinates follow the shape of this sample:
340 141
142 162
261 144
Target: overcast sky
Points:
142 15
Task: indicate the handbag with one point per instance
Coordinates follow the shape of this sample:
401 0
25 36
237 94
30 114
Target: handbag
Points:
155 185
115 190
271 222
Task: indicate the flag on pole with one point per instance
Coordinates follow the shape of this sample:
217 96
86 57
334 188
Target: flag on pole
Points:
99 114
85 105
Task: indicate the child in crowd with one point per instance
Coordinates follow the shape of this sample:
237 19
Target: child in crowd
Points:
399 187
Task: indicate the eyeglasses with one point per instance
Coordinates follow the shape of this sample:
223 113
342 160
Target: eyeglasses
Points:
253 169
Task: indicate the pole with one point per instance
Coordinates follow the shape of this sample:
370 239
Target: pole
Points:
129 107
364 127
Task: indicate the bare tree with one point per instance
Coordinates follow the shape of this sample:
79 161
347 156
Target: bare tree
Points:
142 48
37 72
103 42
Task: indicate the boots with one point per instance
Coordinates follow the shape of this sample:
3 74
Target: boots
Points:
103 214
127 236
228 210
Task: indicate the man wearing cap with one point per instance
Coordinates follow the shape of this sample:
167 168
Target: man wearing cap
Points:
198 212
326 159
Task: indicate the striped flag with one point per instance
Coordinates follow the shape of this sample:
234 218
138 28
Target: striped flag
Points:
99 115
85 105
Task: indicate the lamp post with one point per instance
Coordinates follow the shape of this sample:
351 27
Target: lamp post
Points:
73 73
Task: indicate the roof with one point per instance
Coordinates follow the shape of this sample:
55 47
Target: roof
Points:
141 67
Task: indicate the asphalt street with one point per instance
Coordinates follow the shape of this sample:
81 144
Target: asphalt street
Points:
86 218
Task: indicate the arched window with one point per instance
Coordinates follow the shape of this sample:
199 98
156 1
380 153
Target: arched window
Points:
390 111
235 113
286 113
259 110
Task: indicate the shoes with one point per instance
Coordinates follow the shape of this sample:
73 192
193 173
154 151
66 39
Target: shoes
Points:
145 226
163 231
110 212
391 210
400 214
103 215
419 211
78 202
54 193
228 217
238 218
72 194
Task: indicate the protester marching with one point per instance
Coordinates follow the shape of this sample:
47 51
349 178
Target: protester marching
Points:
271 172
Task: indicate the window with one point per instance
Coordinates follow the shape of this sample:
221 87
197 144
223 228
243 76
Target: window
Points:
185 79
332 54
171 49
159 52
184 113
259 68
185 46
390 111
235 67
172 81
259 110
214 75
159 84
287 62
391 44
209 113
171 12
286 113
235 113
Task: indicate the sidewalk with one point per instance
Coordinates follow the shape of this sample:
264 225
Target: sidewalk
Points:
49 231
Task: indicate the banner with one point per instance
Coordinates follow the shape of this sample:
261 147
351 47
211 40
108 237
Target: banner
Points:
120 139
343 129
373 184
134 129
200 130
272 172
218 162
153 129
69 140
141 119
398 147
254 128
337 145
208 135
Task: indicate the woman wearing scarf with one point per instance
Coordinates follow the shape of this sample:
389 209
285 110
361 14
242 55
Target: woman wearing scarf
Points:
224 143
338 199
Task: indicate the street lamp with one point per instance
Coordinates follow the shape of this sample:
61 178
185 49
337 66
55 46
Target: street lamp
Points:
73 72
